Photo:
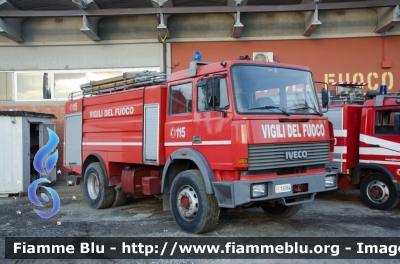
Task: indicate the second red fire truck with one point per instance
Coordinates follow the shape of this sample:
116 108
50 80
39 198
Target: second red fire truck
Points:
233 134
367 144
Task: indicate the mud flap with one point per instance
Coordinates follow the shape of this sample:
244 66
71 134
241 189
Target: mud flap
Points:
165 199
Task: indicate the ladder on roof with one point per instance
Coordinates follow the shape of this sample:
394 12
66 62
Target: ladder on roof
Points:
128 80
348 92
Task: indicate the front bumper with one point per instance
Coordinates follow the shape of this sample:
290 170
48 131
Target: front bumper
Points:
234 193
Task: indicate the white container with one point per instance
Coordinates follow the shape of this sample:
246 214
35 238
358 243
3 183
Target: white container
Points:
21 135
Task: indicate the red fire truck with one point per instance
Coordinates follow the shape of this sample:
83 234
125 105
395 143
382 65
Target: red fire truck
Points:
232 134
367 144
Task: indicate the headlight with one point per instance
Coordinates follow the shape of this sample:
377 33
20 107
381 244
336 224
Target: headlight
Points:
259 190
330 181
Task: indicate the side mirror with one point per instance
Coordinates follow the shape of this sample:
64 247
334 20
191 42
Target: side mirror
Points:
325 98
397 123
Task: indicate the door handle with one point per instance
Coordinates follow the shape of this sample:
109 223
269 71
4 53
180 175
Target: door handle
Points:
373 145
196 139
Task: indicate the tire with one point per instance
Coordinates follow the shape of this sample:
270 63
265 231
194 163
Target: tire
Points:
281 211
378 192
97 194
193 210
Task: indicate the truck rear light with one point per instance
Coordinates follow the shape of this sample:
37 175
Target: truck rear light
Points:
330 181
259 190
243 161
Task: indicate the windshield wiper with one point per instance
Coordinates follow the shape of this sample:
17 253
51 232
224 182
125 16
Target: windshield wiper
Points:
270 107
306 107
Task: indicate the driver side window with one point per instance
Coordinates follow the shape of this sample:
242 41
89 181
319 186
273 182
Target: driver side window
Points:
180 99
384 122
204 95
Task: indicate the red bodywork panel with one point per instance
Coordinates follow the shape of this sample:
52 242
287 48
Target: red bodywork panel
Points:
347 137
225 140
376 147
287 130
139 181
119 136
356 141
151 185
114 127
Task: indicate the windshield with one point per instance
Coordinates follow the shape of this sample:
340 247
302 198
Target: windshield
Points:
265 89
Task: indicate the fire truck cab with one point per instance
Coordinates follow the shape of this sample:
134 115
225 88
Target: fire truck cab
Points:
233 134
367 144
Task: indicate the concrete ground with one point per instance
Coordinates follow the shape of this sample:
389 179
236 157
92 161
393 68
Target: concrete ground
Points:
333 214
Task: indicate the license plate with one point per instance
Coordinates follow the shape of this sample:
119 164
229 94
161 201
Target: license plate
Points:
283 188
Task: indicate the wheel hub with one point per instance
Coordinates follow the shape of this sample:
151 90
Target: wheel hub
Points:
188 203
378 192
185 202
93 186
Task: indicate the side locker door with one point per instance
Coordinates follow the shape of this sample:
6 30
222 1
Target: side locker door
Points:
178 125
73 140
43 140
212 127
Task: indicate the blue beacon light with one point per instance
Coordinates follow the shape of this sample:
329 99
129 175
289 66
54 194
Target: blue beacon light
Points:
197 56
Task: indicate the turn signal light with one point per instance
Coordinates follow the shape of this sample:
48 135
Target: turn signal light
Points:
243 161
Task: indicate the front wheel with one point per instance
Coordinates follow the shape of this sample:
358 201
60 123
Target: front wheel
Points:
378 192
193 210
97 194
281 211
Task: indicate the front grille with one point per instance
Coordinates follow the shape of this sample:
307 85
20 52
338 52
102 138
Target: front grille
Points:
273 156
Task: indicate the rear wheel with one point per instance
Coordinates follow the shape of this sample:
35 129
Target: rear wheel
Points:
281 211
97 193
378 192
194 210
